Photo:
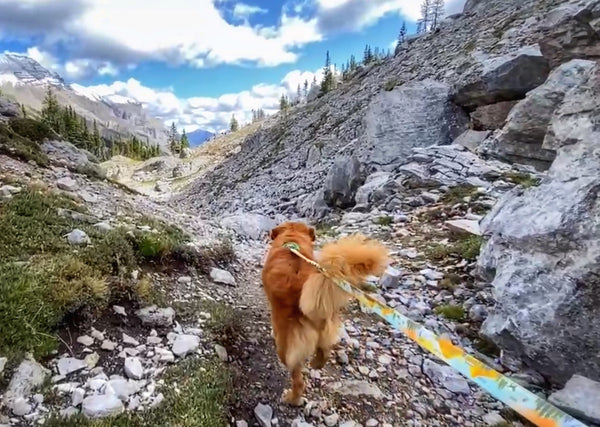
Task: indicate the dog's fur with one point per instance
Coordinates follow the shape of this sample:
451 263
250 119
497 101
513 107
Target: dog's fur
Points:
305 304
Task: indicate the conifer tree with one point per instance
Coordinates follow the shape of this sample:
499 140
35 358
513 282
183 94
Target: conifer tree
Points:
185 142
173 139
51 110
234 126
401 37
436 13
327 84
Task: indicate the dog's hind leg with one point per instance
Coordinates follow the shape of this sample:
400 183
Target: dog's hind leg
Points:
302 342
328 337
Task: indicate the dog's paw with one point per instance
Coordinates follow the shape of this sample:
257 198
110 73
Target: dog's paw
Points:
289 399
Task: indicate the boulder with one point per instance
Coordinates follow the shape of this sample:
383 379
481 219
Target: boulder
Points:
62 153
249 225
542 253
313 206
569 32
502 78
522 137
471 139
491 117
28 376
378 187
580 397
415 114
218 275
342 182
8 108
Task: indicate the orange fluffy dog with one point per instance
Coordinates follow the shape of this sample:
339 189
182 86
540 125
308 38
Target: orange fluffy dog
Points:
304 303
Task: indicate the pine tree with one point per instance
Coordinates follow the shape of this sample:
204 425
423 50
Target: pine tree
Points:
51 110
185 142
173 139
353 63
425 21
328 83
305 88
436 13
234 126
298 94
96 140
284 103
401 37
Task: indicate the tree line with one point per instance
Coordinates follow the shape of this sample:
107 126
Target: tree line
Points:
75 129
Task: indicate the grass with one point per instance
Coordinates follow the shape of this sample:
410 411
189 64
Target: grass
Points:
384 221
451 312
457 194
43 279
461 245
22 148
450 281
326 230
522 179
196 394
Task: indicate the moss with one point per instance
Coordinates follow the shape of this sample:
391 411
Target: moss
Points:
461 245
451 312
390 84
326 230
196 394
522 179
112 253
385 221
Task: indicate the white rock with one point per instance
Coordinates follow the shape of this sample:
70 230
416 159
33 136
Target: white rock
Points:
390 279
580 397
78 237
356 388
91 360
165 355
133 368
155 316
77 396
130 340
446 376
221 352
372 423
97 334
241 423
263 414
119 310
108 345
331 420
464 226
68 365
493 419
123 388
3 361
85 340
20 407
104 227
68 412
100 406
184 280
185 344
222 276
67 184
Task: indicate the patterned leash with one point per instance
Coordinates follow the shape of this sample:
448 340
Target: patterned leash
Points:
535 409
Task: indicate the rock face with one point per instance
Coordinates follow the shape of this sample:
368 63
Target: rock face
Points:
522 137
342 181
542 252
417 114
65 154
503 78
491 117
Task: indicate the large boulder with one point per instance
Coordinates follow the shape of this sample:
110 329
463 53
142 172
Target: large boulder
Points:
416 114
342 181
491 117
378 187
8 108
542 253
502 78
570 31
313 206
65 154
249 225
522 137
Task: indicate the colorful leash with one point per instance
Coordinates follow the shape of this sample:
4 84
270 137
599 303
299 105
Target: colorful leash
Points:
535 409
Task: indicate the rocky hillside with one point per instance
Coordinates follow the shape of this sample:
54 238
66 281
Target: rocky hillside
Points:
25 81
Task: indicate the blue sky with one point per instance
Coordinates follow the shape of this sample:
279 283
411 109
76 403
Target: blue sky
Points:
198 61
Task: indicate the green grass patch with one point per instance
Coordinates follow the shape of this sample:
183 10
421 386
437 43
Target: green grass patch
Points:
20 147
31 129
450 281
461 245
459 193
200 398
384 221
390 84
523 179
451 312
326 230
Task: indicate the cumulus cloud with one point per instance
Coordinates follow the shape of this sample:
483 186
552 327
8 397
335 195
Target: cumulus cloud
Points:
208 113
243 11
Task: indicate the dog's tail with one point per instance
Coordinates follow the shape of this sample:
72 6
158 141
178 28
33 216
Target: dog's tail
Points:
352 258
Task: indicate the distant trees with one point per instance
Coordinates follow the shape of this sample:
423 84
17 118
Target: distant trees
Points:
401 37
432 12
185 142
328 82
74 128
234 126
173 139
284 102
258 115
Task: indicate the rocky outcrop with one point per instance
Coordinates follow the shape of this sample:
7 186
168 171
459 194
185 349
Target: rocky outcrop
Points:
250 226
543 256
522 138
342 181
471 139
502 78
416 114
8 108
491 117
65 154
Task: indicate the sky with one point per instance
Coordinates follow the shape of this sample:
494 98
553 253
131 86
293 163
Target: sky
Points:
197 62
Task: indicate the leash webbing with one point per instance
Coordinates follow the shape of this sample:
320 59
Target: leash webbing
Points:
535 409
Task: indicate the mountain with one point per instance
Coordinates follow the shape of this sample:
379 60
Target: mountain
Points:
199 136
26 81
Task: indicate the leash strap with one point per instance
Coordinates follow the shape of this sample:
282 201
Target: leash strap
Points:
535 409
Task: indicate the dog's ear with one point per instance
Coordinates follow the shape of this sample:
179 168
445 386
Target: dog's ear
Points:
276 231
311 233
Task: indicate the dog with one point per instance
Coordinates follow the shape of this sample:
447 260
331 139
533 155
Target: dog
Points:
305 304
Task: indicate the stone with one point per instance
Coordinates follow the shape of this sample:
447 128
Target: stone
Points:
241 423
3 361
129 340
221 352
492 116
101 406
133 368
218 275
120 310
185 344
542 250
91 360
69 365
65 154
28 376
464 226
68 412
522 138
8 108
446 376
356 388
21 407
78 237
371 422
416 114
85 340
342 182
77 396
391 278
331 420
251 226
67 184
313 206
108 345
580 397
378 187
123 388
478 313
471 139
502 78
493 419
105 227
154 316
263 414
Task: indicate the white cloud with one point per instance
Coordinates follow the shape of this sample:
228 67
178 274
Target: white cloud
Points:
243 11
212 114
